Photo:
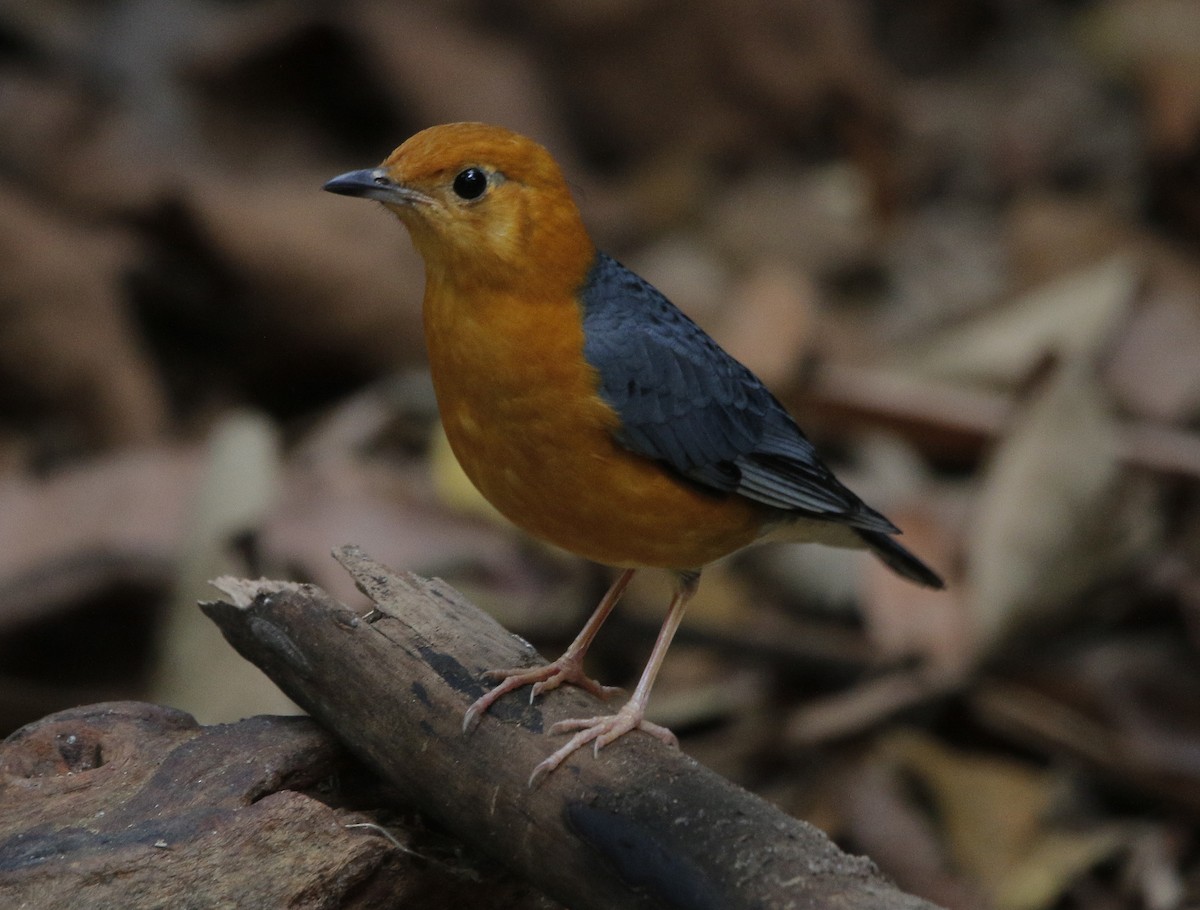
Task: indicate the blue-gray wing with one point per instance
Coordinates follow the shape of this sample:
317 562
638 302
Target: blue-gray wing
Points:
683 401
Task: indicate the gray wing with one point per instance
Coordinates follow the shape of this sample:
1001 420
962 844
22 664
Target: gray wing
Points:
683 401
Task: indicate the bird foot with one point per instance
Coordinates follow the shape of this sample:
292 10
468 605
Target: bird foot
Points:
600 731
543 679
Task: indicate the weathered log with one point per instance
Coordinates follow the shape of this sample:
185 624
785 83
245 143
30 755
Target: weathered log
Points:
137 807
132 805
639 826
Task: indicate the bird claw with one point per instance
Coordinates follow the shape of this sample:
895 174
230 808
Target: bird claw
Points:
600 731
545 678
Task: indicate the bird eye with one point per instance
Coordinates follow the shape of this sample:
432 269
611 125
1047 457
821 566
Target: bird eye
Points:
471 183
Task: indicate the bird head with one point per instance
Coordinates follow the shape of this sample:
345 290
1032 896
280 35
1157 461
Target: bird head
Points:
482 203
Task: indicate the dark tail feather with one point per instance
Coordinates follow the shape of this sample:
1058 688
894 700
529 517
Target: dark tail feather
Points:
900 560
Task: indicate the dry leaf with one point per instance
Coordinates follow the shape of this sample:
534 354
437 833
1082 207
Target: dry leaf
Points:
1154 371
1072 316
770 321
446 69
1159 42
68 344
324 278
878 810
128 508
1046 524
1047 483
197 669
818 219
997 821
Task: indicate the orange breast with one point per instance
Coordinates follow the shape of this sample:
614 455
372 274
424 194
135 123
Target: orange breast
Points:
522 414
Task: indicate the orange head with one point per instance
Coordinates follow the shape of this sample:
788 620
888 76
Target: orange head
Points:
483 204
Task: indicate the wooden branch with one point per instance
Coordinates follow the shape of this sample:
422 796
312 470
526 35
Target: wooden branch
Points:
137 806
641 826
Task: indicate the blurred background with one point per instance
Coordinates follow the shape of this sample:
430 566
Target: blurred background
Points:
957 237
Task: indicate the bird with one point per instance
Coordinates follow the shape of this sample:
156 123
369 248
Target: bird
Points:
590 410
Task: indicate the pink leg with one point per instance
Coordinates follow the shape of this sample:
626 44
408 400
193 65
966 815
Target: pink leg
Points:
605 729
567 669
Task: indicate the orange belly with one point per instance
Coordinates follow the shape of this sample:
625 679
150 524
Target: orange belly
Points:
573 487
531 432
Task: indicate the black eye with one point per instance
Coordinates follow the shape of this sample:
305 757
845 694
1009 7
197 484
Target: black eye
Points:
471 183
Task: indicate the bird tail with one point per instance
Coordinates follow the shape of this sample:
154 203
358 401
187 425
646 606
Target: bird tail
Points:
899 559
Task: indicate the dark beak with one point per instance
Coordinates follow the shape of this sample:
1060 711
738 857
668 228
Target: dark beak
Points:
374 183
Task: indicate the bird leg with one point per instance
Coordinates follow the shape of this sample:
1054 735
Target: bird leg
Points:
567 669
604 729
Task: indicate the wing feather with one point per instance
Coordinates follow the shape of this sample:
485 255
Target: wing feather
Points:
685 402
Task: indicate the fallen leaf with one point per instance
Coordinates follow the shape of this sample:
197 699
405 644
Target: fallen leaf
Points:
1047 524
1072 316
68 345
770 321
997 821
127 509
1153 370
197 670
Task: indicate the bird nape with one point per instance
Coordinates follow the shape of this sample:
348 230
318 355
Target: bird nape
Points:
587 408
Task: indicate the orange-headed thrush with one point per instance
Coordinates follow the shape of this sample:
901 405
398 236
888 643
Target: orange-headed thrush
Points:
586 407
